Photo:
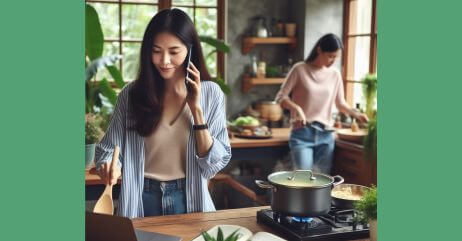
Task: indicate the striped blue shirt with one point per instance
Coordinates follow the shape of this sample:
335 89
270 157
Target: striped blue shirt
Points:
131 157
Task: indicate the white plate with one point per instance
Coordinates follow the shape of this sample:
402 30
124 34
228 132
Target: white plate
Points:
264 236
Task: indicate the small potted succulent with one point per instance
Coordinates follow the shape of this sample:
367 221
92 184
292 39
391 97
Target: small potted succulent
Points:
220 237
367 208
93 134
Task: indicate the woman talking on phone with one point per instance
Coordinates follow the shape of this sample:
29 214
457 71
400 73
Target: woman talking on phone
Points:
315 87
172 136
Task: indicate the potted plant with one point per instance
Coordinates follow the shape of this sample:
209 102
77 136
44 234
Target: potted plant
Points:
370 140
367 208
93 134
370 93
232 237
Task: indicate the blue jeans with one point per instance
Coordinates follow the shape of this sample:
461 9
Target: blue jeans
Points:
164 198
312 148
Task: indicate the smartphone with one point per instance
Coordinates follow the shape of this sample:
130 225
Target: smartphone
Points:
187 66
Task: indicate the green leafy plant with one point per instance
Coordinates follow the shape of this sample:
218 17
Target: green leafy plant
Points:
370 92
232 237
219 46
93 132
273 71
93 93
370 140
94 43
367 206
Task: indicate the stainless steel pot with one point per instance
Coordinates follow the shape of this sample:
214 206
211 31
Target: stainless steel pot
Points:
300 193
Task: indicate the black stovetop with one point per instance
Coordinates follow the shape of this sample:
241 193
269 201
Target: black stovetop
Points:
338 224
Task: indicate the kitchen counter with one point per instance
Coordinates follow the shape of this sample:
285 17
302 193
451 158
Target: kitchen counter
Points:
93 179
280 138
248 149
189 226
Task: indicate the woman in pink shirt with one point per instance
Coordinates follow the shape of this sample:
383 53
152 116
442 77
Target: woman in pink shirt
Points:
310 91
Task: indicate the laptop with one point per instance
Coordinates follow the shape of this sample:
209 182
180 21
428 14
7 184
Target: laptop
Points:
103 227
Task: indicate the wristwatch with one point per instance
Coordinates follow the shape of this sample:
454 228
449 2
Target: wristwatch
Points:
200 127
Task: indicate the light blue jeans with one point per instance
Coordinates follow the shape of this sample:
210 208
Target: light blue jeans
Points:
312 148
164 198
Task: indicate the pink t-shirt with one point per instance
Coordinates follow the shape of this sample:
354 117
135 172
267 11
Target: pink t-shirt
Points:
315 90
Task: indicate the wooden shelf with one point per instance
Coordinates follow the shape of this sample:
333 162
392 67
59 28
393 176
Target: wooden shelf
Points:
249 42
248 82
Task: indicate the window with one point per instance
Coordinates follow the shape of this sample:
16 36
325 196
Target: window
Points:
124 21
204 14
360 52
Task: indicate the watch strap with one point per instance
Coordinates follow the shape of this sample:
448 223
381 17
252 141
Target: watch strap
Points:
200 127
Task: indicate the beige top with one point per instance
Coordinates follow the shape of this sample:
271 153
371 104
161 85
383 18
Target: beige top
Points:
165 149
315 90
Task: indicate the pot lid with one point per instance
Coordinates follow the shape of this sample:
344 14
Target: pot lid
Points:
301 178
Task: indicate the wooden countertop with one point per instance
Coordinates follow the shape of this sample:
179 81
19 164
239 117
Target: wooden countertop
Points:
280 138
189 226
93 179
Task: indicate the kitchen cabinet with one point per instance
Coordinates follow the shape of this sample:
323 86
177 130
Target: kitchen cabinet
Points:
350 163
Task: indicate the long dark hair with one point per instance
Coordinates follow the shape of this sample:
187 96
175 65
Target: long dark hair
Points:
328 43
146 96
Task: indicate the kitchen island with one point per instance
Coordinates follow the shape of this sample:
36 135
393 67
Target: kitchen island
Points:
189 226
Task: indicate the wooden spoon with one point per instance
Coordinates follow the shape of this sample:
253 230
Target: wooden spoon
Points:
104 204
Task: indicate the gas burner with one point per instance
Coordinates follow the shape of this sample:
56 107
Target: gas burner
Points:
315 226
302 219
336 225
341 216
304 225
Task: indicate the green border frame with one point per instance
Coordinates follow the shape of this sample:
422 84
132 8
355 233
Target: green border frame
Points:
42 124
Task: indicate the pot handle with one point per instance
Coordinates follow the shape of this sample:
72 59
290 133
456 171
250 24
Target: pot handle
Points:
339 178
264 184
295 172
